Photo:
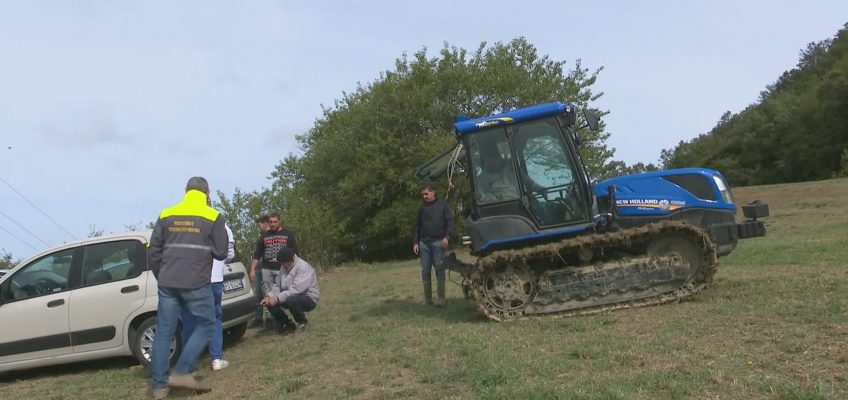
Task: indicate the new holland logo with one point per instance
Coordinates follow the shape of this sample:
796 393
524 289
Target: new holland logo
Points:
491 122
660 204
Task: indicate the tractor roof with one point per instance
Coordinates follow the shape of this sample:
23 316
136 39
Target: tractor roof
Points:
510 117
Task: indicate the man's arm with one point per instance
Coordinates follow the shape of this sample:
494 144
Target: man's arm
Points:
231 245
220 240
257 255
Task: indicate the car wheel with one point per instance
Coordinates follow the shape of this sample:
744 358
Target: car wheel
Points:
233 334
142 343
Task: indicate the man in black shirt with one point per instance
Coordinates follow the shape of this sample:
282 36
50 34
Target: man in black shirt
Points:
270 243
432 228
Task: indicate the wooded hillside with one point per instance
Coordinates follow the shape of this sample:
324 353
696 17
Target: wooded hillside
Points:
796 131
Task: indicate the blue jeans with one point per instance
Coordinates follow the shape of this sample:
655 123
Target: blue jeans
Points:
200 303
432 252
216 346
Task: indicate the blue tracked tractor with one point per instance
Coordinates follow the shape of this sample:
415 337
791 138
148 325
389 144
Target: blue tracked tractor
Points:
547 240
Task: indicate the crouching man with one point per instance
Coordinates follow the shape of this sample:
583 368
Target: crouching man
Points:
296 290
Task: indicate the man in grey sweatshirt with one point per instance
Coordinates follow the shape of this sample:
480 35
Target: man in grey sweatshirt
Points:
296 290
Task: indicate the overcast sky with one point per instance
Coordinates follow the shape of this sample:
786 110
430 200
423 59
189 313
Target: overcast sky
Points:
108 107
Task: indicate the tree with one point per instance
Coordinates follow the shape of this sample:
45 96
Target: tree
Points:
241 212
7 261
352 193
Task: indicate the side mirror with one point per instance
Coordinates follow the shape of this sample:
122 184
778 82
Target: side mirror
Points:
592 117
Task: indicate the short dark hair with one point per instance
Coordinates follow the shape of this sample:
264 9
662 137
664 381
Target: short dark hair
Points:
263 219
197 183
275 215
428 186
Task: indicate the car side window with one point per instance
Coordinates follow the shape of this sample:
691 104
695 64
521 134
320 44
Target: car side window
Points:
113 261
46 275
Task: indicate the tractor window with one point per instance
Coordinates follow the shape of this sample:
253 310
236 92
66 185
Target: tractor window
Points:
544 156
549 172
494 172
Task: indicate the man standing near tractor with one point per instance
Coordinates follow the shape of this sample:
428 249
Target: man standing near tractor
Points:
433 227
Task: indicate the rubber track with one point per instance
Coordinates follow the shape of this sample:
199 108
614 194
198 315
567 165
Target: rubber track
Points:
609 240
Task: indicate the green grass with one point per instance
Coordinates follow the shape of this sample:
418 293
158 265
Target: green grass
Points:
772 326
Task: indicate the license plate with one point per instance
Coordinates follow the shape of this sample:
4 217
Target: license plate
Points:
233 285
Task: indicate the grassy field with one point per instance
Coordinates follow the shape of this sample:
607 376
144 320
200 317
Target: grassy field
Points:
772 326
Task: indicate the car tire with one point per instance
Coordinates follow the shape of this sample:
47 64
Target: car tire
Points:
233 334
142 342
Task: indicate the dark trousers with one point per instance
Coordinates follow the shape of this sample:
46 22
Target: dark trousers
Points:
258 291
298 305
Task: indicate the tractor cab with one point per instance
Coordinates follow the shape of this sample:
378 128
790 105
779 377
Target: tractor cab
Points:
528 183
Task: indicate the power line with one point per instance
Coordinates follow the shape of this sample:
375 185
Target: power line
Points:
39 210
25 229
16 237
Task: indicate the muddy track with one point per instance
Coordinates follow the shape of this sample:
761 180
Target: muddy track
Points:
505 287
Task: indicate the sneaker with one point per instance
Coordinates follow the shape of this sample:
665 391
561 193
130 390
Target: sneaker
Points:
187 381
301 328
219 364
160 394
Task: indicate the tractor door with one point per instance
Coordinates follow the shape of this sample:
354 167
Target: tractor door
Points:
549 175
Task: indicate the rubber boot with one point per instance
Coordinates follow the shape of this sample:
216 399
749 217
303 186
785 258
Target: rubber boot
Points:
428 293
440 292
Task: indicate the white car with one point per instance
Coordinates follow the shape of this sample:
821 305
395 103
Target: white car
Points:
93 299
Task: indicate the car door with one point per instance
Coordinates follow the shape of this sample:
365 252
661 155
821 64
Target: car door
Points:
112 288
34 310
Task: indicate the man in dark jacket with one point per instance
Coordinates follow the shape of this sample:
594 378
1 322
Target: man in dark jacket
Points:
433 227
185 239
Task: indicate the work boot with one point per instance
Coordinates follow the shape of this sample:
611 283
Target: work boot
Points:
187 381
440 293
428 293
160 394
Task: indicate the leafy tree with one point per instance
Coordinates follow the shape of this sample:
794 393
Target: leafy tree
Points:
619 168
7 261
241 212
